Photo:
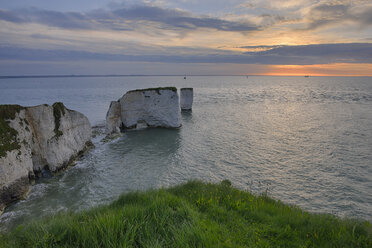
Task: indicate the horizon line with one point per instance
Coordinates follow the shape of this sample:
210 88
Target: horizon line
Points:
167 75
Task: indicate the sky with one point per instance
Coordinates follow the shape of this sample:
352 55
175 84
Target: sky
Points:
186 37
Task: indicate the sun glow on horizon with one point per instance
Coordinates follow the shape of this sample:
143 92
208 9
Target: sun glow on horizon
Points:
337 69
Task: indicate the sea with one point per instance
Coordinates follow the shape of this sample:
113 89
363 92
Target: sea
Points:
305 141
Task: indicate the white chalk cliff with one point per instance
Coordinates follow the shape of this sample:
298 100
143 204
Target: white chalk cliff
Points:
113 119
34 139
187 98
155 107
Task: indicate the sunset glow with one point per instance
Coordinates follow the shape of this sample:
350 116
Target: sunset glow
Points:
319 38
356 70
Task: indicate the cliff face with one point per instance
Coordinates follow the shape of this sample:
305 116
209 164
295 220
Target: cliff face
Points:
59 135
157 107
113 119
15 154
37 138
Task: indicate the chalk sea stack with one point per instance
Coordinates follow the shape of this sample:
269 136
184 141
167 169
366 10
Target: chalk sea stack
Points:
187 98
113 118
153 107
34 139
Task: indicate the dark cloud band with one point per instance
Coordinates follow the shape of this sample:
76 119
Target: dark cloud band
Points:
124 19
278 55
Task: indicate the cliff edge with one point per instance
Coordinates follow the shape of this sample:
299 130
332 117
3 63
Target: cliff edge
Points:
33 139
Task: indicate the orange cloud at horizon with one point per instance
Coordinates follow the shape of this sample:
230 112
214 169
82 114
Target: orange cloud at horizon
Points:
337 69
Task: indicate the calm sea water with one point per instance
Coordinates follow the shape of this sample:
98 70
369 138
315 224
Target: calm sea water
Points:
307 141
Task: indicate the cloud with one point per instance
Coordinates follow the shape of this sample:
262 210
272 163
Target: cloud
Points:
363 16
68 20
324 14
311 15
274 55
338 12
9 16
273 4
181 19
342 50
124 18
263 47
317 53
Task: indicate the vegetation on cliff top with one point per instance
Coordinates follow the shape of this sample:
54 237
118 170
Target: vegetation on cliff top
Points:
8 135
195 214
58 111
156 89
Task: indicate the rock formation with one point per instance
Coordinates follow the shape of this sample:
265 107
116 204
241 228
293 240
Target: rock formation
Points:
187 98
113 120
37 138
154 107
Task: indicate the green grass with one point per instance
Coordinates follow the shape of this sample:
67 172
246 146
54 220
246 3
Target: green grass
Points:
194 214
8 136
156 89
58 112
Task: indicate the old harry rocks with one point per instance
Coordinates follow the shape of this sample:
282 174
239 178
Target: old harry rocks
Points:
153 107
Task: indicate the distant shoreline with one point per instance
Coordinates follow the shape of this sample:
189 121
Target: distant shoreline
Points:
134 75
156 75
71 76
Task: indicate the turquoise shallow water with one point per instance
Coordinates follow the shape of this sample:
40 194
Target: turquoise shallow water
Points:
307 141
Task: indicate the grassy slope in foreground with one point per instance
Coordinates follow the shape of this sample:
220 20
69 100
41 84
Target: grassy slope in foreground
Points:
195 214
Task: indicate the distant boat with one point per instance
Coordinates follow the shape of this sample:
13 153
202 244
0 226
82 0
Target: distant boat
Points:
247 76
184 77
307 76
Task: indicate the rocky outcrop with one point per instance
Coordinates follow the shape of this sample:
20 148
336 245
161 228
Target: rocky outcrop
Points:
34 139
154 107
113 119
187 98
59 135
